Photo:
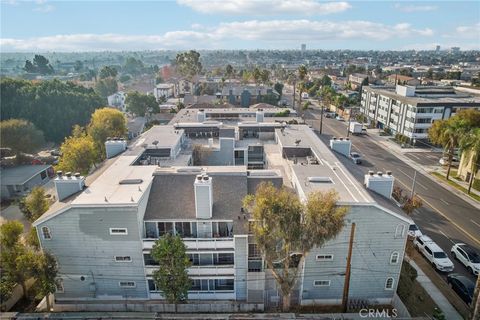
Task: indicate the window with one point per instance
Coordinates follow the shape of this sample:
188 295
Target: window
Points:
223 284
127 284
147 258
151 230
427 249
321 283
164 228
152 287
186 229
43 175
59 286
399 231
46 233
223 259
389 283
394 257
118 231
324 257
253 251
123 259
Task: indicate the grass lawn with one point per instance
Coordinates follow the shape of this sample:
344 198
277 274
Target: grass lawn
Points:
457 186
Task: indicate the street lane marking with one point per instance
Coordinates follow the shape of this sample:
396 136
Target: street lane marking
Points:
444 215
412 155
445 202
416 182
475 222
446 236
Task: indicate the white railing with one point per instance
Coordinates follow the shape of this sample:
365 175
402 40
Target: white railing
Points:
198 243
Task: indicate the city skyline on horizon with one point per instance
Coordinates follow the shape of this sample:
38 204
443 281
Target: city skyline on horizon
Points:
237 25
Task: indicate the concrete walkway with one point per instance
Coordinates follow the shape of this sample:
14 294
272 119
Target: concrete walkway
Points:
441 301
392 147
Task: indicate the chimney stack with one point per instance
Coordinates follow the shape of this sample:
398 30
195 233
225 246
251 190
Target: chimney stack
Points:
203 196
67 185
380 183
259 115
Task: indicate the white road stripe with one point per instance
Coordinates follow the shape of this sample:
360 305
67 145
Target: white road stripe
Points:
445 202
412 155
475 222
446 236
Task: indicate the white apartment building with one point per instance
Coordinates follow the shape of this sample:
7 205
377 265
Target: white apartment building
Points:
410 110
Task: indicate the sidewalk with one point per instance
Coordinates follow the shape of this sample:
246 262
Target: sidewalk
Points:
442 302
390 146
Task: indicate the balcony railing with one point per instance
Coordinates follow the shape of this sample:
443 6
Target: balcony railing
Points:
198 243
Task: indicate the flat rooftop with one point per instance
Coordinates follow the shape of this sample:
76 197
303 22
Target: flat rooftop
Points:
155 137
348 188
430 95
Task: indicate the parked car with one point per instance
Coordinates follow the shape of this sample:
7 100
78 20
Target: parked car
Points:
467 256
339 118
462 286
356 158
414 231
444 161
433 253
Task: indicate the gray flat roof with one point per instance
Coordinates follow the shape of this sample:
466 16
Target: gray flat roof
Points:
20 174
423 97
348 188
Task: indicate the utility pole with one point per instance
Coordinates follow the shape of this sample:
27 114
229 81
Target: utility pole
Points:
413 184
294 86
321 115
349 121
346 286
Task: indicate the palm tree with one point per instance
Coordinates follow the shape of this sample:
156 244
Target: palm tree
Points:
302 74
470 144
448 134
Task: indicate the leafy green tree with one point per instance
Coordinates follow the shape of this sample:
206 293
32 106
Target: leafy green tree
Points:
158 79
78 66
108 72
106 87
265 76
54 107
133 66
15 259
36 203
20 135
139 103
302 75
325 81
106 122
188 64
285 230
45 270
40 65
31 238
124 78
279 88
229 72
79 154
172 276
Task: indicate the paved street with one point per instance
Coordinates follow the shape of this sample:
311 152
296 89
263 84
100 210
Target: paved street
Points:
445 217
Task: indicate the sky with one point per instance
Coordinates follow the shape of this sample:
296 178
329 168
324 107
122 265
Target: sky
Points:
45 26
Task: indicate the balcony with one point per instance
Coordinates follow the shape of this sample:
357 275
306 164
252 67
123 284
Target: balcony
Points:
201 270
198 243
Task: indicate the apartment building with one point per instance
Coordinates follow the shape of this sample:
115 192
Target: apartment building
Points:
102 232
410 110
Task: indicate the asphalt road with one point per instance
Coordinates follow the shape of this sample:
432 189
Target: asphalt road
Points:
445 217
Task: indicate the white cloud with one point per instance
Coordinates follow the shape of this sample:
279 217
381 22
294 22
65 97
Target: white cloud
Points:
414 8
472 31
278 32
44 8
265 7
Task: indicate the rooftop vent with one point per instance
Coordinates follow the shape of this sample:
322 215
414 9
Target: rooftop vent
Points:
341 146
115 146
68 185
320 179
131 181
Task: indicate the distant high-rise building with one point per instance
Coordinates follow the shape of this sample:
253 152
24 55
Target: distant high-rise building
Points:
455 49
304 47
437 49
